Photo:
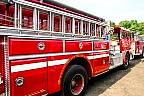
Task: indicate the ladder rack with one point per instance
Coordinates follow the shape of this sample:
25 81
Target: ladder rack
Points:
21 30
17 32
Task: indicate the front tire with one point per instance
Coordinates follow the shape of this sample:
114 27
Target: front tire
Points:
126 63
142 55
75 81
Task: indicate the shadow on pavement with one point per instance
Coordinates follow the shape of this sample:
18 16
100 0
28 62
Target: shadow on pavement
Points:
101 83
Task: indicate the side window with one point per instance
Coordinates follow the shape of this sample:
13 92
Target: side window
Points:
123 35
142 38
85 28
98 31
27 17
57 23
6 15
115 36
92 29
77 26
132 35
129 35
43 20
68 25
103 31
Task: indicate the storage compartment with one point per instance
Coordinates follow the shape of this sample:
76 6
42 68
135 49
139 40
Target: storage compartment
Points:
116 60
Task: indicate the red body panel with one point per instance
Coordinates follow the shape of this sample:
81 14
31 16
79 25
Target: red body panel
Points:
27 61
74 46
101 64
139 45
49 78
101 45
29 46
34 81
54 73
125 44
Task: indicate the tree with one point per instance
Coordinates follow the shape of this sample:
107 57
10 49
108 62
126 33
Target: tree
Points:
141 28
126 24
133 25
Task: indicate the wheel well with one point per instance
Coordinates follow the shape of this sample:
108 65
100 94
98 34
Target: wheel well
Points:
80 61
128 54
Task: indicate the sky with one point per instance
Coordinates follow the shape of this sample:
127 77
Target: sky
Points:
114 10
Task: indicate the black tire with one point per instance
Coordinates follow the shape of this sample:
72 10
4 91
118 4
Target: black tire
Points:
142 55
71 81
126 63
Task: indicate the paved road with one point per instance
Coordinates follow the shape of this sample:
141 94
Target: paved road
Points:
119 82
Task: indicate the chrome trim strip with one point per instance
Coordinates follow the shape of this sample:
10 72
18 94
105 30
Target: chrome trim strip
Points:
6 65
24 67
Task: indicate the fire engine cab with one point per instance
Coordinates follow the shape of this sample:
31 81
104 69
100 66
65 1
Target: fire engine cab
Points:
46 47
120 47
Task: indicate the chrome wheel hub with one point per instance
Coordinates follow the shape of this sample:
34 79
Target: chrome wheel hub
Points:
77 84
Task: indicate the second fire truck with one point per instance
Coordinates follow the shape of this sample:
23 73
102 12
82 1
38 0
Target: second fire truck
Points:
46 47
137 46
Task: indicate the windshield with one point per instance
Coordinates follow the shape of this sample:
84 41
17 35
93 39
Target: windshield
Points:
115 36
142 38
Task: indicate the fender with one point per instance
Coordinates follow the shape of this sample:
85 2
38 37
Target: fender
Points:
68 64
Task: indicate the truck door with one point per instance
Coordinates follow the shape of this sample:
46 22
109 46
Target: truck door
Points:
28 73
115 49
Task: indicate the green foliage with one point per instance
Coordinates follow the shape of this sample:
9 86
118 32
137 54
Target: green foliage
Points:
141 27
133 25
125 24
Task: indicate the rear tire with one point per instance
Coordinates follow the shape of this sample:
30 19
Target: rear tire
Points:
75 81
142 55
126 63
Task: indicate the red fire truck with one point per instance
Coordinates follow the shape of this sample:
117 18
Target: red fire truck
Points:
137 46
46 47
